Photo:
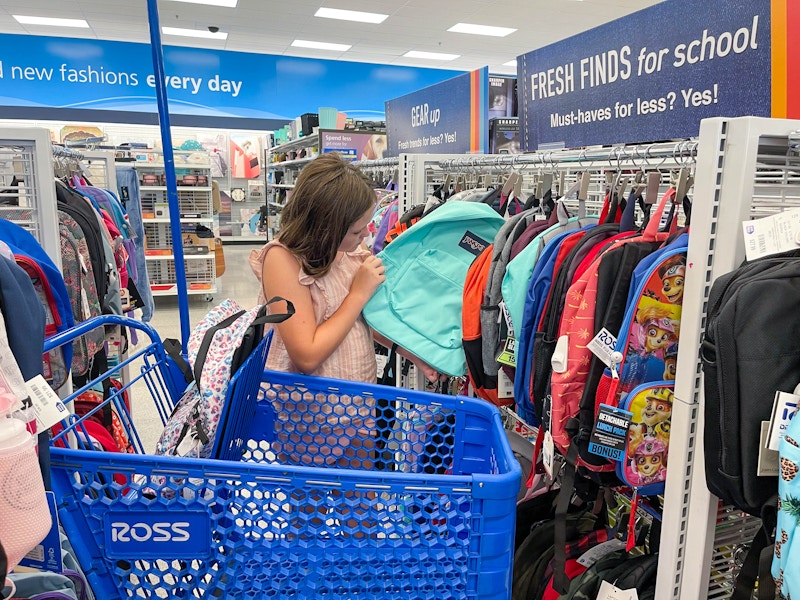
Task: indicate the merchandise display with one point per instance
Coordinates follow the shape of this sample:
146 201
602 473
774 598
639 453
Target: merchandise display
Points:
582 315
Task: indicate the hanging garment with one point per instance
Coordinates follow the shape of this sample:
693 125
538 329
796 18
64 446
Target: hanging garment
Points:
128 185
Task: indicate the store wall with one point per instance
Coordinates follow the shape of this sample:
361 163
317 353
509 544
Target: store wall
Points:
96 80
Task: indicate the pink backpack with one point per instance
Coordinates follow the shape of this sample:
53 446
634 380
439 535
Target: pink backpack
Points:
574 365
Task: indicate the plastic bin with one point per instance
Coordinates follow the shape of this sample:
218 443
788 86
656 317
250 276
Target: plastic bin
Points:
417 504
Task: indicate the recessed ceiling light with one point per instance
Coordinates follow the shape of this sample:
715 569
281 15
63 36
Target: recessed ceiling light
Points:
431 55
481 29
225 3
321 45
199 33
350 15
511 63
26 20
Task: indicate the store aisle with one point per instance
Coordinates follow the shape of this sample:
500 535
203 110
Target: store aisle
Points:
238 282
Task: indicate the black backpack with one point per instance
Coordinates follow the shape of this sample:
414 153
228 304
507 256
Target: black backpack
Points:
748 353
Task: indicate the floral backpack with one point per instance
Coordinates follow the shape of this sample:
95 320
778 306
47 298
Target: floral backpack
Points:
787 539
219 345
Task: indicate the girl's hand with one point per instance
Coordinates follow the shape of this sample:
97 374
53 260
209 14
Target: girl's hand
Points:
369 276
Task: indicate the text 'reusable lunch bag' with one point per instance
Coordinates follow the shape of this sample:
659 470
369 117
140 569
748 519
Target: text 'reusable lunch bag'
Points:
419 305
217 347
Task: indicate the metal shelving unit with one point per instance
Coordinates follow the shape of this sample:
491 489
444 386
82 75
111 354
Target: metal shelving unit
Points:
196 208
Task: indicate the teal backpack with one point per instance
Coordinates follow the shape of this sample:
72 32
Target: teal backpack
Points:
419 305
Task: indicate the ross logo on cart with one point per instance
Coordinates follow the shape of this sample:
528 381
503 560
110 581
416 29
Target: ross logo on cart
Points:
145 532
153 534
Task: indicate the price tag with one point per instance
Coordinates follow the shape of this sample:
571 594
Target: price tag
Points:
783 410
46 404
548 454
609 591
508 354
610 432
772 235
591 556
603 346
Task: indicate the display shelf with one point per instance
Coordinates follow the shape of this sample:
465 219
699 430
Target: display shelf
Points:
173 290
283 186
181 188
193 200
302 142
299 162
186 220
185 256
178 165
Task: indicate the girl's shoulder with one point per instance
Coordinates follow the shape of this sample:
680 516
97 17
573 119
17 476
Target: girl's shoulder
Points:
279 255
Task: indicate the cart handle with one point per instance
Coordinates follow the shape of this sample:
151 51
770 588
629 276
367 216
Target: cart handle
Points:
88 325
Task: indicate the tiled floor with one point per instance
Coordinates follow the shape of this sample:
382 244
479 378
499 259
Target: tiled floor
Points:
238 282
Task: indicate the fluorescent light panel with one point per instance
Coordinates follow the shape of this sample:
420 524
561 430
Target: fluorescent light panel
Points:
198 33
321 45
50 21
511 63
350 15
224 3
481 29
431 55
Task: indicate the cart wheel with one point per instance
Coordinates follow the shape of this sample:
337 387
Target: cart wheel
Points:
209 298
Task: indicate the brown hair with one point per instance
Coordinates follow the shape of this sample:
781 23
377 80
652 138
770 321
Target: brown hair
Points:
329 197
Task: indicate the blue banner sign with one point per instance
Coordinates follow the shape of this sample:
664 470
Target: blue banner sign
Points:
652 75
447 118
68 73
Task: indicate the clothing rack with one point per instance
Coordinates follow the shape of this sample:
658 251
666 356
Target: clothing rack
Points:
26 171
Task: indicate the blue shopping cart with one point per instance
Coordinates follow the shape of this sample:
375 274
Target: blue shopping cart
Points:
297 507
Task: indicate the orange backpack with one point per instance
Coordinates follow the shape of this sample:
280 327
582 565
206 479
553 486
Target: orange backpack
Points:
485 386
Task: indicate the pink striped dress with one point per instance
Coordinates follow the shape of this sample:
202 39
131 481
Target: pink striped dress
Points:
353 360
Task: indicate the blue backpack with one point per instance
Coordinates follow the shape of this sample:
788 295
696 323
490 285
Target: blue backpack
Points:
426 267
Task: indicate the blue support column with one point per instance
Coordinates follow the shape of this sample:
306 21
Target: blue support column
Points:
169 170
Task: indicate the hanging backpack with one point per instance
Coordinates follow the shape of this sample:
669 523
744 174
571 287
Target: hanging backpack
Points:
747 357
471 328
426 268
49 285
76 265
787 549
596 300
218 346
648 340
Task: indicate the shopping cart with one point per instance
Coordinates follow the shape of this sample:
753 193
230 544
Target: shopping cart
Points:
304 513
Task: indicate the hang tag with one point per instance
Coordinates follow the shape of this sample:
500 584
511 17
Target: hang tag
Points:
772 235
46 555
609 591
381 360
189 446
46 404
768 460
86 310
548 453
507 316
591 556
610 432
508 354
603 346
560 357
505 387
783 410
